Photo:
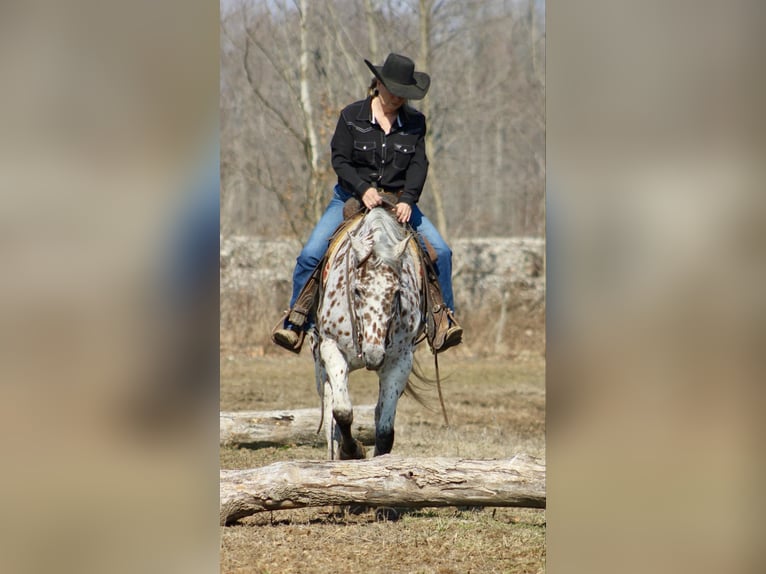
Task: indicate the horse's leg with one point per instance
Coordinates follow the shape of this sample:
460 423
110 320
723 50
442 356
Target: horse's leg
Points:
337 374
393 378
325 396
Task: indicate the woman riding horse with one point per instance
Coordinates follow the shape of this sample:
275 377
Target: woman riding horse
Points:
378 145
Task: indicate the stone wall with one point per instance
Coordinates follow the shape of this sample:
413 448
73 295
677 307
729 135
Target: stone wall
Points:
499 286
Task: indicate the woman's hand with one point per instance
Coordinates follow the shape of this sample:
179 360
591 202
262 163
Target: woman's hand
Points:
371 198
403 212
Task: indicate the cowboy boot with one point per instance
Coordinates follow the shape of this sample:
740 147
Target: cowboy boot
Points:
288 338
445 330
295 321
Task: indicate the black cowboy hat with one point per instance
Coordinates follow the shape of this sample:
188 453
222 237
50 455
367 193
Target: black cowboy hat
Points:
400 78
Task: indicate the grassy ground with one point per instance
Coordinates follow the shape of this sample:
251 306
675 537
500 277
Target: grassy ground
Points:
496 409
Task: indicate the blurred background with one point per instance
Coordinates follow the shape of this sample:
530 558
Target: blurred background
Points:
656 274
655 266
109 290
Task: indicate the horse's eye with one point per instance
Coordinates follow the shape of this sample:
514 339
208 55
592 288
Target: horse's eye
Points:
357 292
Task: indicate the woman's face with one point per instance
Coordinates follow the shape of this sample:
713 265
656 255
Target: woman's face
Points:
389 101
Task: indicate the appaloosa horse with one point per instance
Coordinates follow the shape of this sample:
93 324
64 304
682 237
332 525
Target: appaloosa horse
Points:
369 316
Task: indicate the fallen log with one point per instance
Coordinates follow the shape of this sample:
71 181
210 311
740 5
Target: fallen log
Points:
277 428
383 481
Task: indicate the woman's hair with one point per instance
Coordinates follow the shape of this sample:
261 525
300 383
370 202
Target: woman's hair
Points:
373 89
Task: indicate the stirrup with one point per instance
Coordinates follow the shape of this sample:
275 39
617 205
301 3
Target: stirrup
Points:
452 338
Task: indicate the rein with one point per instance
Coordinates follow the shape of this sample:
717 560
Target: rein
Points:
356 331
424 309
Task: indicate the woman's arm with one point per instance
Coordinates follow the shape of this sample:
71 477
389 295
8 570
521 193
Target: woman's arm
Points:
417 171
342 145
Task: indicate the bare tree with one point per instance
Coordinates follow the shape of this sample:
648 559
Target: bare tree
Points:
289 66
372 30
285 106
425 8
309 121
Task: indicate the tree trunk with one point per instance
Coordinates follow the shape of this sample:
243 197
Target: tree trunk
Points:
309 122
425 7
383 481
299 426
372 30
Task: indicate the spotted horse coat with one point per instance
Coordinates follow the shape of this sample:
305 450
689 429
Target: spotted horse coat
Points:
370 316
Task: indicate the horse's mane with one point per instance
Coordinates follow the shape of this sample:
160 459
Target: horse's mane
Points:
385 231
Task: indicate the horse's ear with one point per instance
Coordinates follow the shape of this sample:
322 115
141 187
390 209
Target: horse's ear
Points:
361 247
401 247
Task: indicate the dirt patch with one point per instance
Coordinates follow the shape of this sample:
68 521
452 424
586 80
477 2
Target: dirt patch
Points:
496 410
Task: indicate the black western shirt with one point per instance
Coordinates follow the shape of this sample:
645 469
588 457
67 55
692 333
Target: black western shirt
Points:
362 153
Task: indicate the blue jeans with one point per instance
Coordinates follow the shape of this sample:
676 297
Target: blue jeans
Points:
317 244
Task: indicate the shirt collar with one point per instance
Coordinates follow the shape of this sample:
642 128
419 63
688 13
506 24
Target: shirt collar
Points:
398 118
371 116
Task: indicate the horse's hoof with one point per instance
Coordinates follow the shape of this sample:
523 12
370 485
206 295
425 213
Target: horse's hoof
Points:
357 453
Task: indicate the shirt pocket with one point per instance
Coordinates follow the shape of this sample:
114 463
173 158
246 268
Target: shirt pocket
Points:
403 153
364 152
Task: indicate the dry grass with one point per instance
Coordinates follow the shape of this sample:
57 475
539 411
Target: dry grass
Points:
496 410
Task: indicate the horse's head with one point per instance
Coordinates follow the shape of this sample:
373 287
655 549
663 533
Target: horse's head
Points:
375 290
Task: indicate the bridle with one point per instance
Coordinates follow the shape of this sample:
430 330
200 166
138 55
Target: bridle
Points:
356 327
